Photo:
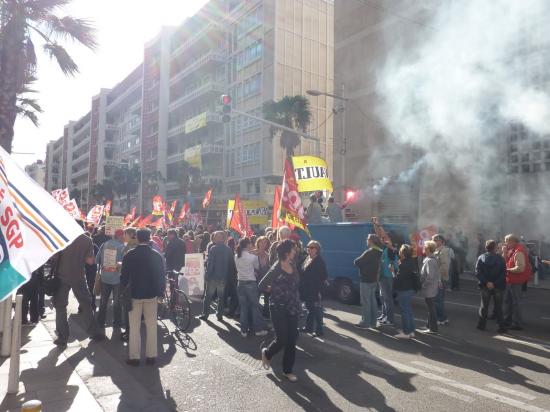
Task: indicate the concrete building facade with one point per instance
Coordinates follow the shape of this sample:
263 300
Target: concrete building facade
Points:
37 171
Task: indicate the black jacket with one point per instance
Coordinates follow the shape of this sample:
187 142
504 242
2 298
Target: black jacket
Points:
404 277
175 254
312 278
491 267
143 268
369 265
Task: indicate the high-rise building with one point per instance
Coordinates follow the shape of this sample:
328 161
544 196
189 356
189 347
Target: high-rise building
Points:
54 164
37 172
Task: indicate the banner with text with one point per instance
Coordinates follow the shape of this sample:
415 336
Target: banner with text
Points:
311 174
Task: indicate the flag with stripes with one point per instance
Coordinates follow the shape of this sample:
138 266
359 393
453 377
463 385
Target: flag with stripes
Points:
33 226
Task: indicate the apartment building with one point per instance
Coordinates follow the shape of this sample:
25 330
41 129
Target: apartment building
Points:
165 115
54 164
37 172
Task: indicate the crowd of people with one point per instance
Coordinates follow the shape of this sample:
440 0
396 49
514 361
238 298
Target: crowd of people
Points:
266 281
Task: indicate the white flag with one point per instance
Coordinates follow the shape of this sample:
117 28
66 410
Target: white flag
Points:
95 214
33 226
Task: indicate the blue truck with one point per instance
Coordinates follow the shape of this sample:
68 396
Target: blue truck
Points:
341 243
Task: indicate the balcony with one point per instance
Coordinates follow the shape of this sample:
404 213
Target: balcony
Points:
109 162
205 149
111 127
81 144
193 39
212 56
109 144
78 160
82 172
211 117
208 87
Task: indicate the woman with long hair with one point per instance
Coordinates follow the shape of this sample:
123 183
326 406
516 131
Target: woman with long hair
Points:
247 289
404 286
285 306
430 278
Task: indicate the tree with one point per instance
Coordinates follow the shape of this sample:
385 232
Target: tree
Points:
104 191
290 111
22 22
126 182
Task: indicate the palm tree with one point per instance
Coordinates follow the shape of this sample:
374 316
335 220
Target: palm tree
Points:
290 111
21 23
126 182
104 191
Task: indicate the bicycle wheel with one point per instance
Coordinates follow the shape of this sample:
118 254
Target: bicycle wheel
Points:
182 310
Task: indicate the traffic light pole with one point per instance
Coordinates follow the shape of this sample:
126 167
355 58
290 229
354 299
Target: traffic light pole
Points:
316 139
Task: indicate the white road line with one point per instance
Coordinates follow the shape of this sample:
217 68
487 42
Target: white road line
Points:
442 380
509 391
452 394
540 346
430 366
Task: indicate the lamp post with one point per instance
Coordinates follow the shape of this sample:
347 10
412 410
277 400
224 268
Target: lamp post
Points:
343 149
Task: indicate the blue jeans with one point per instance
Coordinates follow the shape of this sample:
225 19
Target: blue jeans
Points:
249 299
213 287
386 290
404 298
369 308
440 303
314 320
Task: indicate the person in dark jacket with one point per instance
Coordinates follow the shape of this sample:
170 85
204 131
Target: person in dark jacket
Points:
284 304
404 285
30 291
143 269
491 273
313 273
369 268
174 251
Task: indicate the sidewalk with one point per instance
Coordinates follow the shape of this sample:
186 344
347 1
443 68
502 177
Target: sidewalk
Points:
45 374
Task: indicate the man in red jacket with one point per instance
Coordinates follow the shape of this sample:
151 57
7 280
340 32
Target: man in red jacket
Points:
518 271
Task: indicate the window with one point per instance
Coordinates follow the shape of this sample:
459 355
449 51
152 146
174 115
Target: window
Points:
249 55
525 157
514 158
250 21
525 168
537 167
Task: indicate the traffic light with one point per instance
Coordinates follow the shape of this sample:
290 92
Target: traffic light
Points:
225 101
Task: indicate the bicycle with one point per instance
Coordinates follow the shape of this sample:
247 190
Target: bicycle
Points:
175 303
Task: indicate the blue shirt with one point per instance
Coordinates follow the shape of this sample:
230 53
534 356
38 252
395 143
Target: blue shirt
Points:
110 274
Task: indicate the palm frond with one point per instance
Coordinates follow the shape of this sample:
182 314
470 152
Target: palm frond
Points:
67 27
59 54
29 114
30 55
38 9
29 103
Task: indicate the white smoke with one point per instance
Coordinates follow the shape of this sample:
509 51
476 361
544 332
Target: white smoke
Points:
456 93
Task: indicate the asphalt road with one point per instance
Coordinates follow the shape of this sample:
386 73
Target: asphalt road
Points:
212 368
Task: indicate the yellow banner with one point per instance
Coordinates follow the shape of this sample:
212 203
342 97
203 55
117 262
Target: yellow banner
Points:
195 123
256 210
311 174
193 156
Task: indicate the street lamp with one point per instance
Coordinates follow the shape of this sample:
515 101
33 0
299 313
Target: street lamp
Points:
343 150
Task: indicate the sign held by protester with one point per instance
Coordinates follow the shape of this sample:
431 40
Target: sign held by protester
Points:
256 210
112 223
292 210
33 226
192 281
311 174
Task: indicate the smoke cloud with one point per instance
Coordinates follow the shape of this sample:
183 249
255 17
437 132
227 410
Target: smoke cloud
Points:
455 95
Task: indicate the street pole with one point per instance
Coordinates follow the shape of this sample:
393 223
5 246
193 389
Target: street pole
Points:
344 141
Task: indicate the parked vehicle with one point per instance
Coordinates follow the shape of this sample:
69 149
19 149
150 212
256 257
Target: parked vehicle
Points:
341 243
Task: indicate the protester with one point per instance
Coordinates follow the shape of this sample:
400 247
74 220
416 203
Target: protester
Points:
91 273
404 285
387 268
430 278
100 237
174 251
442 255
518 271
284 303
314 210
130 240
70 271
30 292
108 260
262 246
491 273
313 275
247 264
334 211
218 266
283 233
143 269
369 268
231 297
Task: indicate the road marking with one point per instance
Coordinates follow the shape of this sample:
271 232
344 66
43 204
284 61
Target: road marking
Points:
430 366
541 346
442 380
504 389
452 394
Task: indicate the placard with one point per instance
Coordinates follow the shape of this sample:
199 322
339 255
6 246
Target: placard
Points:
112 223
192 280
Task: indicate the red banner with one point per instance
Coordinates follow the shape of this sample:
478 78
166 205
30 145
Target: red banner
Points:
275 215
172 211
107 210
184 211
136 222
158 206
144 222
130 216
292 209
239 219
418 238
207 199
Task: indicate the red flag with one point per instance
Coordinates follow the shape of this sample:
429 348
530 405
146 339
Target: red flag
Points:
207 198
418 238
275 219
130 216
107 209
292 209
136 223
239 219
144 222
158 206
184 210
172 211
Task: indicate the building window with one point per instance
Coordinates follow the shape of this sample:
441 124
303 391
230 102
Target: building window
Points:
537 167
525 168
250 21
